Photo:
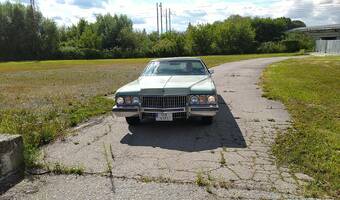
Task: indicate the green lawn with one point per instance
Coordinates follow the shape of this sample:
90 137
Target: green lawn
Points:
41 100
310 89
213 61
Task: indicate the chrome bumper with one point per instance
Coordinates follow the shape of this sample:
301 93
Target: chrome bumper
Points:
203 110
126 111
135 111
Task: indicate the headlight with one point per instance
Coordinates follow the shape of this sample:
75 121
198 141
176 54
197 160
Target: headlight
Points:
202 99
194 100
120 100
135 100
211 100
128 100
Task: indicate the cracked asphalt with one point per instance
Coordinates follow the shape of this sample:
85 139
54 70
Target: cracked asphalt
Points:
163 160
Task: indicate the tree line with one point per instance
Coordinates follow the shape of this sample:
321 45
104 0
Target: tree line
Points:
25 34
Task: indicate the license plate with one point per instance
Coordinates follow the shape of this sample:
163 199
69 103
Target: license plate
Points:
164 117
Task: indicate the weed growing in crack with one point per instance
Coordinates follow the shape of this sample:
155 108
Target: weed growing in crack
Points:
146 179
58 168
222 159
210 177
107 159
160 179
201 180
271 120
224 184
210 182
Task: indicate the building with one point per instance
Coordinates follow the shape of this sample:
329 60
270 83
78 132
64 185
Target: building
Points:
326 32
327 37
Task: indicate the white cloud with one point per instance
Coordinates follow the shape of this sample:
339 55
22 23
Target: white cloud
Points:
313 12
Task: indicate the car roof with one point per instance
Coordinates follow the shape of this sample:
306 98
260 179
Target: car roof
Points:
176 59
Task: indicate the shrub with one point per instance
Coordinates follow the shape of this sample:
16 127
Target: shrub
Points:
91 53
70 53
164 47
305 41
271 47
291 45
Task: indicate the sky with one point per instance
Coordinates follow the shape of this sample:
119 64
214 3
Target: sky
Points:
143 13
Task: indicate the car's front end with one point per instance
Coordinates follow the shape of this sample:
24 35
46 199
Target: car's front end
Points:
166 108
166 98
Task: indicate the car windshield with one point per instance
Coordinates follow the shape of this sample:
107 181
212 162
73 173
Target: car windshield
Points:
171 68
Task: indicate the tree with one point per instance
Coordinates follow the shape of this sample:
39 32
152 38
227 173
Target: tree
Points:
113 30
49 38
235 35
90 39
25 34
201 38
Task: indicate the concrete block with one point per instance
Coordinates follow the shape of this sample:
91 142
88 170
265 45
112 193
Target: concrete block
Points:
11 160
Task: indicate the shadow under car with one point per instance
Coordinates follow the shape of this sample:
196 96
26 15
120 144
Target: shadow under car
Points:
189 135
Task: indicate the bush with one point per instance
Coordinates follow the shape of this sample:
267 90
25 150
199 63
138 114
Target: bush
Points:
91 53
70 53
291 45
305 41
164 47
271 47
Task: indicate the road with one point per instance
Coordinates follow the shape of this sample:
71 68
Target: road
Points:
164 160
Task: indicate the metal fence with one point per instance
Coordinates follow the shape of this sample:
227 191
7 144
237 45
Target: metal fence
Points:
328 46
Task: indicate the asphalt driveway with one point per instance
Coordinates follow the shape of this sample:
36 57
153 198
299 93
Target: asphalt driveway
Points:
165 160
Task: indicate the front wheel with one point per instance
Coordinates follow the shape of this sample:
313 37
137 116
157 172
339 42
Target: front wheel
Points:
132 120
207 120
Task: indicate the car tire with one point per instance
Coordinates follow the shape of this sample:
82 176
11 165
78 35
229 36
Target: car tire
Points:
132 120
207 120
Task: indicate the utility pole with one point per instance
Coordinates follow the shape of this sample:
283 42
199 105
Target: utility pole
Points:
157 19
32 4
160 6
169 20
166 20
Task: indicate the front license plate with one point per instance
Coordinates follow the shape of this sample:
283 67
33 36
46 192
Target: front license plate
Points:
164 117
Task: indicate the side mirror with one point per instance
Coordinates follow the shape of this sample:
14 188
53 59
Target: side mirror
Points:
211 71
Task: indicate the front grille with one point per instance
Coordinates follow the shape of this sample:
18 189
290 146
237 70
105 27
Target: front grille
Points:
164 101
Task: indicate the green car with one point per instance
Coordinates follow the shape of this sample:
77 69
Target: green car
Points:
168 89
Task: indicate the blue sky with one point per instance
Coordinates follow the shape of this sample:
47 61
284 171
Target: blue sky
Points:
143 13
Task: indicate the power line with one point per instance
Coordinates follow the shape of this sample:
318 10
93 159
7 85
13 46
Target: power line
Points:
168 13
32 2
169 20
157 19
160 6
166 20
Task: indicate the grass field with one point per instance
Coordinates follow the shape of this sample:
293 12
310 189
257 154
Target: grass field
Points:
41 100
310 89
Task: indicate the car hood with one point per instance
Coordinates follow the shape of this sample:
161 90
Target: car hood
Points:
170 85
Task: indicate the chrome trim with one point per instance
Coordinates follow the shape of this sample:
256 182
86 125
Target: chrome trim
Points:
203 110
129 111
166 110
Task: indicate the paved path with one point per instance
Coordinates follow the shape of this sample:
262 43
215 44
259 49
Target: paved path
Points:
163 160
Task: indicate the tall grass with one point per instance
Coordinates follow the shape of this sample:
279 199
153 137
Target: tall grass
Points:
310 89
